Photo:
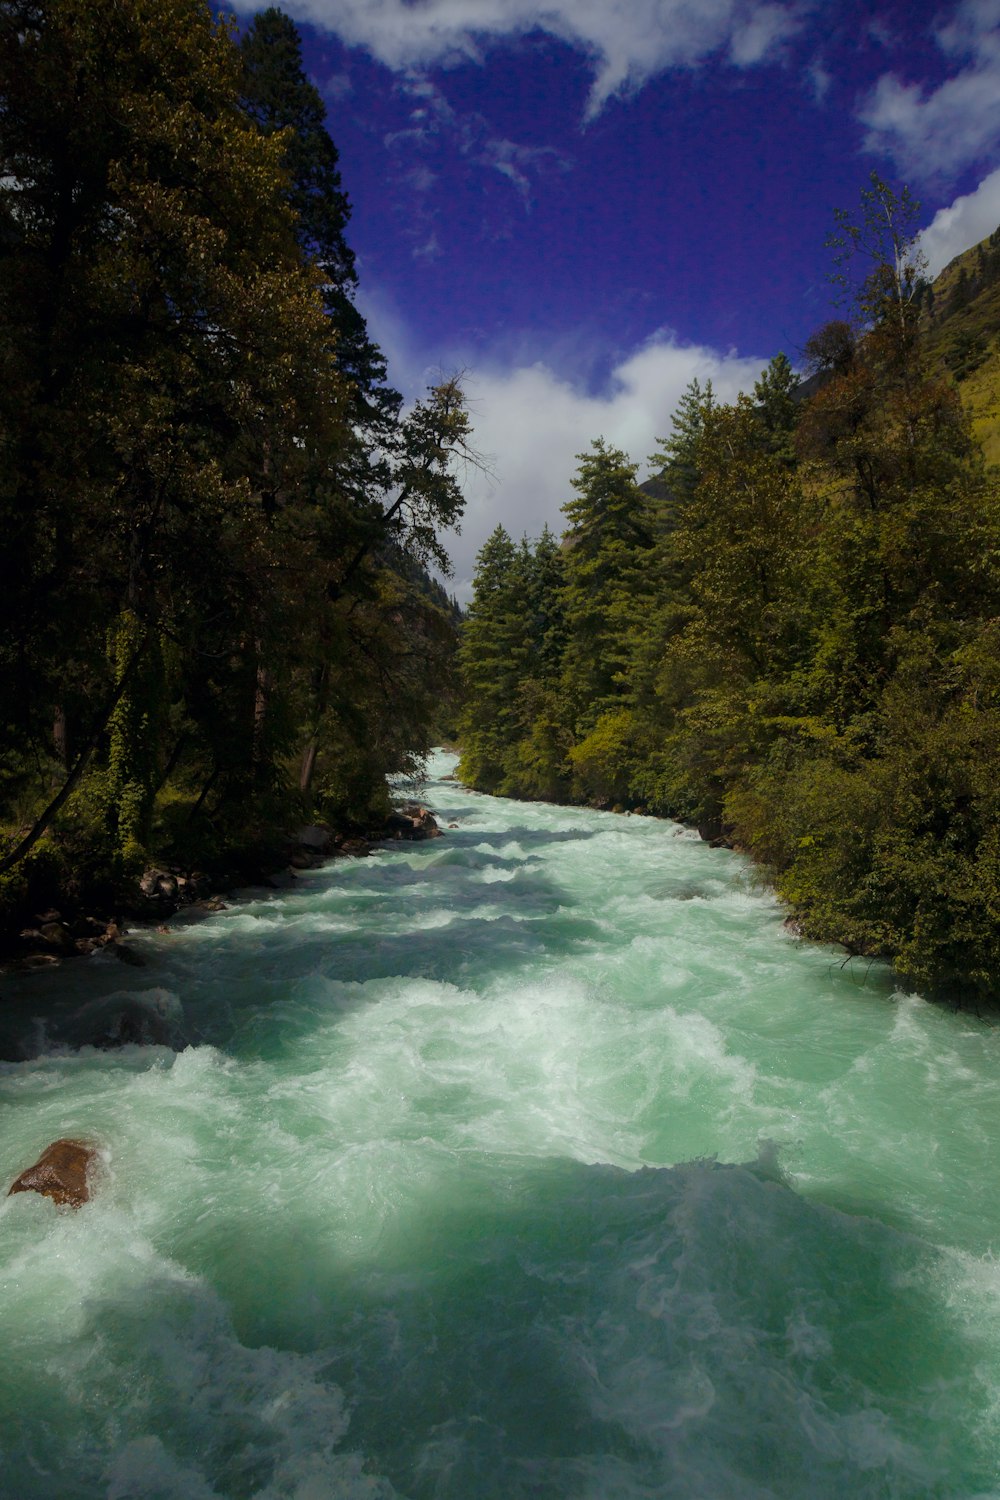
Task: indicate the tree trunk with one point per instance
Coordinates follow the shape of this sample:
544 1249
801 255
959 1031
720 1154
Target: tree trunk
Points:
262 697
311 751
60 742
76 771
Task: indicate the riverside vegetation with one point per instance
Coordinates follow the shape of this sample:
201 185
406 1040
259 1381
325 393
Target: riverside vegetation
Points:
216 619
791 635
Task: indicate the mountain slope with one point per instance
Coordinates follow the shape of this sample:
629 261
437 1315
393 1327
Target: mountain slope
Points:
962 309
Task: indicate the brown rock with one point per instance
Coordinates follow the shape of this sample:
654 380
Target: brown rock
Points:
57 936
38 961
149 881
212 903
60 1173
87 927
358 848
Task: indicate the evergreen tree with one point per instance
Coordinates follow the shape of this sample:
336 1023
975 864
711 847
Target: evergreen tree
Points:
676 458
609 531
156 308
280 98
492 660
778 408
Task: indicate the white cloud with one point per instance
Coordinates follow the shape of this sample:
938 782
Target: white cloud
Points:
628 41
929 132
530 424
962 224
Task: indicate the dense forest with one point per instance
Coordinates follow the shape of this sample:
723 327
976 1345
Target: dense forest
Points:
216 513
790 635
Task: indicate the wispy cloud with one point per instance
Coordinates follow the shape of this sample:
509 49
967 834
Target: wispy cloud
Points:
337 86
931 132
434 123
627 41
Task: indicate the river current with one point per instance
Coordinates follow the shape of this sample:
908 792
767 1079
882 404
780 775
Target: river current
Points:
536 1162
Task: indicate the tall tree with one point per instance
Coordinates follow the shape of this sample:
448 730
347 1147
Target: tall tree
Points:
281 98
602 599
157 310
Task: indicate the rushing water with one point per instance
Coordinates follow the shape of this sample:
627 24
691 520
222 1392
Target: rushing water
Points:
534 1162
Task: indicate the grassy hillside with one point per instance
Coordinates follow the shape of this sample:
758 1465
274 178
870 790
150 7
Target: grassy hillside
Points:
963 315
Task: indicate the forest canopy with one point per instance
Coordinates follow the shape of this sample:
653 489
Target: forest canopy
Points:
788 636
216 512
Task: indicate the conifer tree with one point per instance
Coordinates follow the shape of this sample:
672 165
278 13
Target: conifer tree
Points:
602 597
280 97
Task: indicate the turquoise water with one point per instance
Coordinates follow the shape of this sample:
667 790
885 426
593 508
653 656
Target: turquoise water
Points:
535 1161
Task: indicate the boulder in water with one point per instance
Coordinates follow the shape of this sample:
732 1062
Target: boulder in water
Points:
61 1173
411 821
356 848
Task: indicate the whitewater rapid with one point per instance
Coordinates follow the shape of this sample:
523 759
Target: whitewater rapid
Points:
537 1162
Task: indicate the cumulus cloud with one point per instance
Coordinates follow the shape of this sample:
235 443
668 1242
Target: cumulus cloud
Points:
530 420
962 224
530 424
628 41
929 132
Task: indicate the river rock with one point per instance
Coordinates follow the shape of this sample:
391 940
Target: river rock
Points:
356 848
212 903
38 961
411 821
57 936
315 836
61 1173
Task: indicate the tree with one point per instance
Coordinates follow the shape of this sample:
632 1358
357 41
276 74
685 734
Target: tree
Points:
279 96
492 662
675 460
603 592
778 407
878 264
157 313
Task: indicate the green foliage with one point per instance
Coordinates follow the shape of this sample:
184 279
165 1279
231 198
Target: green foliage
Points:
216 516
790 637
604 762
610 530
512 727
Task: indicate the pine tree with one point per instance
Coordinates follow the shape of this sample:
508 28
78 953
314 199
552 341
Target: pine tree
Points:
280 98
675 461
602 599
778 408
156 309
492 660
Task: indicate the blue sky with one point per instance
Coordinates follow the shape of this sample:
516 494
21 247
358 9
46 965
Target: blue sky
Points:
584 203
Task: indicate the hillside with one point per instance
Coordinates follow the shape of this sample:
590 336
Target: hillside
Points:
963 316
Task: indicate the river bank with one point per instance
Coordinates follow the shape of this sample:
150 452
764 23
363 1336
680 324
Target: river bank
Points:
81 917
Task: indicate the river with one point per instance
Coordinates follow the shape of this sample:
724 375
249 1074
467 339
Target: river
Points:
536 1162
